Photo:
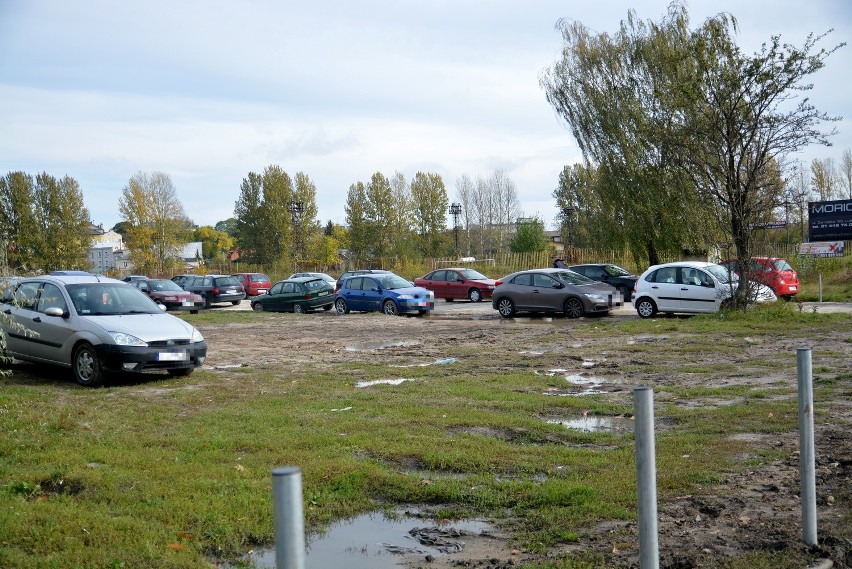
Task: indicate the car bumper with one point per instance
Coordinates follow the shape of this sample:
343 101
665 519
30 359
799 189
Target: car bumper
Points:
227 297
148 358
415 307
182 306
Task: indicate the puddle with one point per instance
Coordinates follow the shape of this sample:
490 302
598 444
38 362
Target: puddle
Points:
444 361
367 346
382 382
589 383
595 424
373 541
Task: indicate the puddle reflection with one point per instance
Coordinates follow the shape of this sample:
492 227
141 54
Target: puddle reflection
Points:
367 346
370 541
595 424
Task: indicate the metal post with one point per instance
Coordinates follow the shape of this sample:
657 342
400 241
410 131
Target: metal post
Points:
807 461
646 477
820 287
288 511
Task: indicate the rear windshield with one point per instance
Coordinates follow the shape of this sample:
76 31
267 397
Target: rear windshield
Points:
227 281
782 265
259 278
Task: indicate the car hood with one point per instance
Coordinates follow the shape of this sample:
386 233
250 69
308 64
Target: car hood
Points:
146 327
490 282
175 293
594 288
412 290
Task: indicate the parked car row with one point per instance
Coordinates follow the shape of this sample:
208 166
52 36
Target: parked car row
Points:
93 324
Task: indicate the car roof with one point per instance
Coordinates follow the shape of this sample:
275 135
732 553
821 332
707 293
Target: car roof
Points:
690 264
300 279
64 279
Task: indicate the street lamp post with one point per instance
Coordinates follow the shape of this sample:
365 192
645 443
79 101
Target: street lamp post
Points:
296 210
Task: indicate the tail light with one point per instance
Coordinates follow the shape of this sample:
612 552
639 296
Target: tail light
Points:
309 296
214 290
498 282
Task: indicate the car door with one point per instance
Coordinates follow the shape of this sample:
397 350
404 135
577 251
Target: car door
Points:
456 285
353 294
699 291
287 297
372 294
547 293
52 332
665 289
436 282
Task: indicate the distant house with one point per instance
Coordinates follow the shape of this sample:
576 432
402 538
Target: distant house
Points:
191 254
107 251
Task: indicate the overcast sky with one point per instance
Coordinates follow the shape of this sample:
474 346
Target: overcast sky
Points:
210 91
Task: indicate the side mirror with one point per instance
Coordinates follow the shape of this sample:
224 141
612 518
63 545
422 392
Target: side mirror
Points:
54 311
162 307
558 285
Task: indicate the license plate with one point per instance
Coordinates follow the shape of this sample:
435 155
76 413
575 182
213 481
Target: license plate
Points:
792 288
187 303
172 356
261 291
323 293
231 291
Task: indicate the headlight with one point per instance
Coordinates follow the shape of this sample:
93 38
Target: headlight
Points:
405 297
196 336
122 339
595 296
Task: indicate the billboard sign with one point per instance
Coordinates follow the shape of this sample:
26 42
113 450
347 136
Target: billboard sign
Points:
822 248
830 220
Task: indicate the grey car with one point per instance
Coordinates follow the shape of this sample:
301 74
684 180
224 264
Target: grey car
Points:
553 290
93 325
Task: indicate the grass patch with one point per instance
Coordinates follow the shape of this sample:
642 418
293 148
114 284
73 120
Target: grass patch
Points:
176 472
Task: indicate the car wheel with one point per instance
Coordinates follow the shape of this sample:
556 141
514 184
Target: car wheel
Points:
449 299
298 308
180 372
646 308
327 307
389 307
340 306
87 368
475 295
257 307
236 302
506 307
573 308
625 293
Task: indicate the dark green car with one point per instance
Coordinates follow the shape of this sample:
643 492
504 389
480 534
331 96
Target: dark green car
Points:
299 294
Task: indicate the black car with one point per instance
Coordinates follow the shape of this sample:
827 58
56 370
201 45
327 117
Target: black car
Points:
215 289
181 280
613 275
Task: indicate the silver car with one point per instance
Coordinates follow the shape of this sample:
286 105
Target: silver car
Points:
553 290
93 325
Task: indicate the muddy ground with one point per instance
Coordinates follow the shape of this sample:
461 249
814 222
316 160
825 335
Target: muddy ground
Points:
758 510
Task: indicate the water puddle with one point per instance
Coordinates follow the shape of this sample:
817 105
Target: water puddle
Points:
368 346
373 541
595 424
444 361
382 382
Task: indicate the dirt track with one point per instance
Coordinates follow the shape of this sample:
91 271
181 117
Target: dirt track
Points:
757 510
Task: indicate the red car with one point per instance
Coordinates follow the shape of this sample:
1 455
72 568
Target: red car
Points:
169 294
774 272
254 283
454 283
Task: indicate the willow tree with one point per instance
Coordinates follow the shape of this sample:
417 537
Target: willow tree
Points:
687 125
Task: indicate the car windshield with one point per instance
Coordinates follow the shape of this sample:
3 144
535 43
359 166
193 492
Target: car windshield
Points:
571 277
163 285
616 271
99 299
227 281
473 275
393 281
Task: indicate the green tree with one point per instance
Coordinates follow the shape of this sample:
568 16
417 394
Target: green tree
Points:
249 229
278 247
360 239
214 243
380 213
158 227
44 224
683 123
430 203
228 226
529 236
307 231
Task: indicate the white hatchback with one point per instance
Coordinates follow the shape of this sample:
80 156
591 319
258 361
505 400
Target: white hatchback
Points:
688 287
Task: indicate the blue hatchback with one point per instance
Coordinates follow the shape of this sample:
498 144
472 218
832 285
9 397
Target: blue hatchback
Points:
385 292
